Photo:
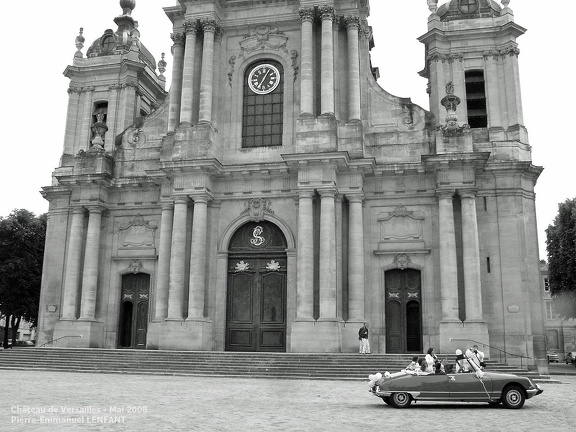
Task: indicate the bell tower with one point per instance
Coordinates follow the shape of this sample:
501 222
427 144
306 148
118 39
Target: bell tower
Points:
472 44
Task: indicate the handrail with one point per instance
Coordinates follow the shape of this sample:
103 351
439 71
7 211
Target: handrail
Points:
57 339
500 351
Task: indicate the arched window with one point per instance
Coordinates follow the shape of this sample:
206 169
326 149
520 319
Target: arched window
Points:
263 101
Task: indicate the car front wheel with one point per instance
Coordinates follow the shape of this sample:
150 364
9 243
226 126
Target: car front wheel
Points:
386 400
513 397
401 400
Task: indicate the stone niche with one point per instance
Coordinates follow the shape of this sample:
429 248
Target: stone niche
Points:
401 230
137 238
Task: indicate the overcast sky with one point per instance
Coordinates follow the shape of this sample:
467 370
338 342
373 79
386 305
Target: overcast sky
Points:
38 36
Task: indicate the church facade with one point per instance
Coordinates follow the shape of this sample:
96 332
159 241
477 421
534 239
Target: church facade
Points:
276 198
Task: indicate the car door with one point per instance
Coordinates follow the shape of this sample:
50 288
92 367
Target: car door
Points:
432 387
468 387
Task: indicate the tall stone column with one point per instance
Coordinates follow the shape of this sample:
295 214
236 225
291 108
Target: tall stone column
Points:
356 258
327 254
197 285
176 87
492 89
191 30
163 277
73 261
352 28
327 61
91 260
177 260
306 78
209 26
305 258
471 255
512 80
72 118
448 264
86 122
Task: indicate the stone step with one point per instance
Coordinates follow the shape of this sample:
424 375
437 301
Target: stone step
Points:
202 363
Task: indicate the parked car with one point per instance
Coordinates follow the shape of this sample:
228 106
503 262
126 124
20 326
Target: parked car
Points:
570 357
552 356
492 388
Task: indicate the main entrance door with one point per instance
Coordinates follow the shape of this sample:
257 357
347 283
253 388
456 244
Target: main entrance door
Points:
134 311
403 311
256 300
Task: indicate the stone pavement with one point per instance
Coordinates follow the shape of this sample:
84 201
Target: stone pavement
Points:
111 402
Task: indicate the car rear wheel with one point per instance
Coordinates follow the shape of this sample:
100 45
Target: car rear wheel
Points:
401 400
513 397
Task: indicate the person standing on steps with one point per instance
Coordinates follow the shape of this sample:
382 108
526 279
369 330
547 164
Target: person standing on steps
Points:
363 338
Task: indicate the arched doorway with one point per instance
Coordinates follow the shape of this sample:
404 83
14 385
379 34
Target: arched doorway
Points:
134 311
256 292
403 311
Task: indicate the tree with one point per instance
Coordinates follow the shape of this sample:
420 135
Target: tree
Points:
561 249
22 237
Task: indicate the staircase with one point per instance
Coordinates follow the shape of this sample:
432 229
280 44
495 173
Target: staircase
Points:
215 363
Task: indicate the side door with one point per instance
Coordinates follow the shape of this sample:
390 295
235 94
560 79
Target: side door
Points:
468 387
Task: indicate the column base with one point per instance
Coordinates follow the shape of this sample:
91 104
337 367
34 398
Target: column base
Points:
189 335
78 334
316 336
460 335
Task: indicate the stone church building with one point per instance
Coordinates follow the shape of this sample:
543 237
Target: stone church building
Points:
275 197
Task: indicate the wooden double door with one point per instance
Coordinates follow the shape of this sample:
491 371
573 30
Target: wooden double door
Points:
256 293
134 311
403 311
256 315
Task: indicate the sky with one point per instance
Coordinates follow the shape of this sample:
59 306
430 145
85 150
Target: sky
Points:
38 37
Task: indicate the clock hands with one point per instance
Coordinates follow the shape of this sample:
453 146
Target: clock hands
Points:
263 79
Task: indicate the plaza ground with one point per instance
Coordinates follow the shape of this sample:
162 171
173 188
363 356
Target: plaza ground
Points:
42 401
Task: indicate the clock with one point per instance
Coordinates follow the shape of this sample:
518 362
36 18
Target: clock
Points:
263 79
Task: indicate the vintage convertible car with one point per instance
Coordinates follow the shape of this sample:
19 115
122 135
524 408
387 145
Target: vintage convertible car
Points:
493 388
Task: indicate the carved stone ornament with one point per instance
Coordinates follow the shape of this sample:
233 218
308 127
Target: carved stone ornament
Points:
401 224
128 296
135 266
273 266
256 208
513 308
263 37
138 233
402 261
412 295
143 296
394 295
241 266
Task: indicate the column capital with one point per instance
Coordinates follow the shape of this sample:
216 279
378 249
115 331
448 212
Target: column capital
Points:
167 206
305 194
352 22
467 193
326 12
191 26
201 198
96 209
181 200
77 210
445 194
209 25
306 14
178 38
355 198
328 192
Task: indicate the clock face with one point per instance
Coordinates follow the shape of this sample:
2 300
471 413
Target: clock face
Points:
263 79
